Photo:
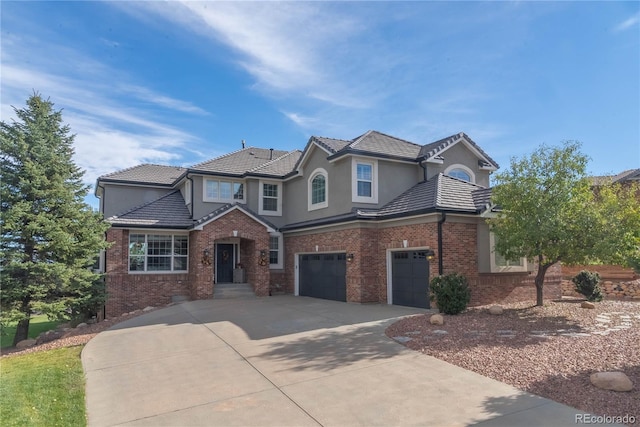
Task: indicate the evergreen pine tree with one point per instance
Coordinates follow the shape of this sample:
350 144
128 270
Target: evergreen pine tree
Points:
50 237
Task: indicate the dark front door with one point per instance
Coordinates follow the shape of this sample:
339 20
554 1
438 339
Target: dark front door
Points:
410 278
224 263
323 276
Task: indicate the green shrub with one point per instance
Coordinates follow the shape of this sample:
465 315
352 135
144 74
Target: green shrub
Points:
588 284
451 293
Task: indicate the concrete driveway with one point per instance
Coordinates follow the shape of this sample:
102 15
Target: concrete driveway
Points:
288 361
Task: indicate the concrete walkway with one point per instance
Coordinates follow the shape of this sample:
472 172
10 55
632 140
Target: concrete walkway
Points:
288 361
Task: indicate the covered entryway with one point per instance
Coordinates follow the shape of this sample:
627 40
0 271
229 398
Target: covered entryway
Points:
323 276
410 278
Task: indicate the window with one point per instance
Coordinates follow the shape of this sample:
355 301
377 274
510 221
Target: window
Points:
364 181
318 190
500 264
275 251
158 252
461 172
187 192
270 198
223 191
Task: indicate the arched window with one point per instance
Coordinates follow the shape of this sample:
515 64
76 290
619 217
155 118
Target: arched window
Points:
318 190
461 172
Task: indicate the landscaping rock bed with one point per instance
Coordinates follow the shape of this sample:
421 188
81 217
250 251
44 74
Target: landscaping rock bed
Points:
550 351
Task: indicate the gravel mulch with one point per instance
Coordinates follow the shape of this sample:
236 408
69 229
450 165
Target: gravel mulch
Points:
549 351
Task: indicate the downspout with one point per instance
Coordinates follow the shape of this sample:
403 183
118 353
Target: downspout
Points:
443 218
424 169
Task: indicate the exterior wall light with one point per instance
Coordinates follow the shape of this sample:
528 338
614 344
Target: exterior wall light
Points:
350 257
430 254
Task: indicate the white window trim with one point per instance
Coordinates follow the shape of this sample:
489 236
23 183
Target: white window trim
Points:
280 264
145 271
354 180
187 192
261 211
313 206
505 269
220 200
464 168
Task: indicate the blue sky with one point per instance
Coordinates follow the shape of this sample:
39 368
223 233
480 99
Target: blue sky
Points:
181 82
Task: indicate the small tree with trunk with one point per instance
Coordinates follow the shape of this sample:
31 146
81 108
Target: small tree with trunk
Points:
50 237
548 211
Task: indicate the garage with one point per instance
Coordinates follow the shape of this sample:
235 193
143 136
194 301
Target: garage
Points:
410 278
323 276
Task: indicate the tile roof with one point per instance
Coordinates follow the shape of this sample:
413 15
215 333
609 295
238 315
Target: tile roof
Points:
380 143
169 211
628 175
331 144
434 149
279 166
241 161
442 192
147 174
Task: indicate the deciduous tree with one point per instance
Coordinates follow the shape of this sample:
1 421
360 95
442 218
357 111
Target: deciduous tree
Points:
50 237
548 211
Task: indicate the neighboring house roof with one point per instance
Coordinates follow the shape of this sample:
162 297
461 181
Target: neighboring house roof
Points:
435 149
169 211
625 176
241 161
147 174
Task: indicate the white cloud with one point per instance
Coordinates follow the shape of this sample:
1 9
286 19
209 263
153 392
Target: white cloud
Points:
627 23
111 132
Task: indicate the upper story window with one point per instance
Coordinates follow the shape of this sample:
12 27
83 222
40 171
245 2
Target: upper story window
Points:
461 172
158 252
364 180
223 191
318 190
270 198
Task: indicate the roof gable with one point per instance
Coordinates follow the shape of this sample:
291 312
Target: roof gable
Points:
229 207
434 150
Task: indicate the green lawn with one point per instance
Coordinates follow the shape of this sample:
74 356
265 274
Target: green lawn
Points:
43 389
38 324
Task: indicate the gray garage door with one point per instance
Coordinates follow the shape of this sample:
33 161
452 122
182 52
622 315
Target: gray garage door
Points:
323 276
410 278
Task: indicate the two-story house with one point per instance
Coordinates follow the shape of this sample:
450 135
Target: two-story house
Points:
364 220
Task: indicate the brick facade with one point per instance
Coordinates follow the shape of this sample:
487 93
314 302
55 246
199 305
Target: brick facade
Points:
128 292
367 274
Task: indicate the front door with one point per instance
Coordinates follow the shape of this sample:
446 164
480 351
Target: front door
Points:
224 263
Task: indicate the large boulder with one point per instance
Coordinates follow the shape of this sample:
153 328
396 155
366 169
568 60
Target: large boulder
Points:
26 344
613 380
496 310
587 304
437 319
